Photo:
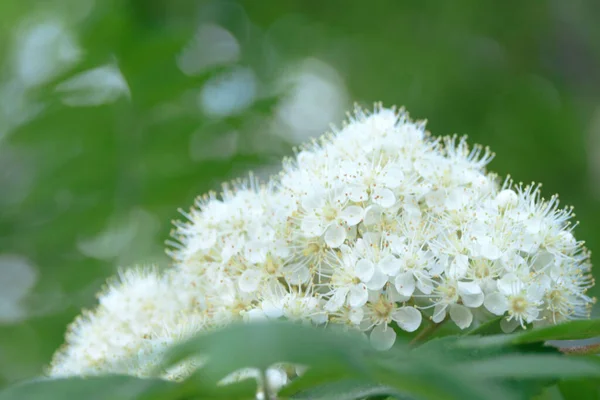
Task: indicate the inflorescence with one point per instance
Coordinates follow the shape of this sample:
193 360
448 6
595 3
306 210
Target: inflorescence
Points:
375 226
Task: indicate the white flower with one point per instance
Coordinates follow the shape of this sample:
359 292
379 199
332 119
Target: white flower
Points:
521 300
381 312
327 213
447 295
367 179
372 226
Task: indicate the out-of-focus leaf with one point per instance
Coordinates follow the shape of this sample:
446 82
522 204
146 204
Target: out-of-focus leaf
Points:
112 387
529 366
580 389
348 390
260 345
336 355
571 330
451 349
491 327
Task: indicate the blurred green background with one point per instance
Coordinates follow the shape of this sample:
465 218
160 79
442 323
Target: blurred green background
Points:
114 114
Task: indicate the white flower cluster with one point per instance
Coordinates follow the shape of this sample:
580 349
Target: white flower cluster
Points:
375 226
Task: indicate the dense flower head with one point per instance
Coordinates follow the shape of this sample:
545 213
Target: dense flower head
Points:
376 225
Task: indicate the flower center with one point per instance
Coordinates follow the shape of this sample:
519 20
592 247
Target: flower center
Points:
311 249
518 304
330 213
271 266
383 309
481 269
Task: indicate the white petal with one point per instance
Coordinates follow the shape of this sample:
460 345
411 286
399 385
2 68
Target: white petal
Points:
357 193
508 326
319 318
435 200
459 266
467 288
352 215
276 379
390 265
393 295
272 309
384 197
531 314
506 198
496 303
231 247
249 280
371 238
314 200
425 286
337 300
461 316
364 269
382 337
472 300
456 198
439 313
405 283
335 235
356 315
392 176
312 225
397 244
377 281
255 251
255 315
490 251
297 275
509 284
535 292
408 318
373 215
358 295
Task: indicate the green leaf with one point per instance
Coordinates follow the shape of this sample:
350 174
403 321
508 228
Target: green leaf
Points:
491 327
436 378
110 387
347 390
549 393
580 389
528 366
197 385
571 330
451 349
260 345
331 356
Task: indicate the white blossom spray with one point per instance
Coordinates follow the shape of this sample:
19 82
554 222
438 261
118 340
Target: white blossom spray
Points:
376 226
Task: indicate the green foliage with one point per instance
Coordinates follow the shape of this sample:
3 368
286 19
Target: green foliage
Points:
341 365
113 387
70 174
567 331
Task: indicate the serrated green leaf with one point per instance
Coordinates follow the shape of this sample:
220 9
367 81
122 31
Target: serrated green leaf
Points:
110 387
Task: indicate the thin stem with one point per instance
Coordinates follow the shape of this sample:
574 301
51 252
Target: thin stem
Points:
581 350
425 333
